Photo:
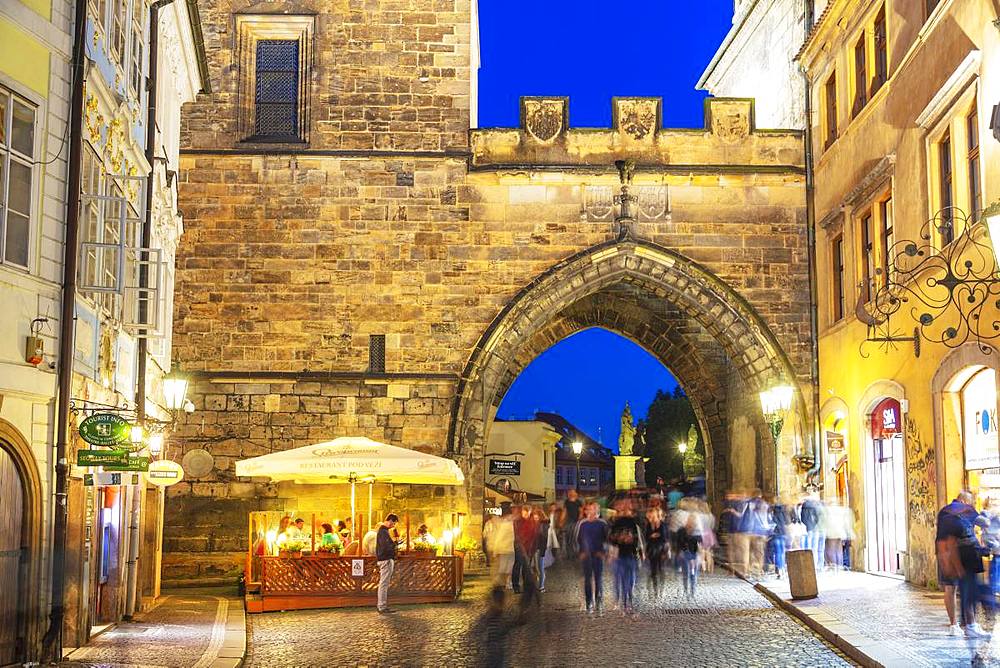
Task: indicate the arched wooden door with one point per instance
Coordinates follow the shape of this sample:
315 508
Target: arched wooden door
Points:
13 556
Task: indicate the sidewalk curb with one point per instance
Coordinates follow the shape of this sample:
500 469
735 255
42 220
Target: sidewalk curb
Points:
852 651
234 645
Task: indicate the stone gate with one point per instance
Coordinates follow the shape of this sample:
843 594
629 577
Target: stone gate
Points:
390 273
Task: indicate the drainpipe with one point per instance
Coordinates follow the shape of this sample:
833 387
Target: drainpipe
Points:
145 239
52 641
817 447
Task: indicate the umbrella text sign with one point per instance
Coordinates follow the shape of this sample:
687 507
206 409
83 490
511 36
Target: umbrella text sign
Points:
349 457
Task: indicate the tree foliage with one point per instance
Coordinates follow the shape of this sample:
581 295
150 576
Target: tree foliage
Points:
666 424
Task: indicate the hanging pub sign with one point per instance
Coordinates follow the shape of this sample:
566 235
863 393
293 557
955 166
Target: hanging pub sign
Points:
834 441
505 467
101 458
105 429
131 463
164 473
887 419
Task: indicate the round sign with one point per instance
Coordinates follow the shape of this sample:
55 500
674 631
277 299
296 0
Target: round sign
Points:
105 429
198 463
164 473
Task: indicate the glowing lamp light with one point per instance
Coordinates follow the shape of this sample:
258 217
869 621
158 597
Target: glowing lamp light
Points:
577 448
156 444
777 399
175 390
991 215
136 434
682 447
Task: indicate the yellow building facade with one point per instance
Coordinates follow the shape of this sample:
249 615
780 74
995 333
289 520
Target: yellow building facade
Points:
905 148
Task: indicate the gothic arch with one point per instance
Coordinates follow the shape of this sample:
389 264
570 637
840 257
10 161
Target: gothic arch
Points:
658 274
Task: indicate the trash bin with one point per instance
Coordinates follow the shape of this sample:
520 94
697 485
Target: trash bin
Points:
802 573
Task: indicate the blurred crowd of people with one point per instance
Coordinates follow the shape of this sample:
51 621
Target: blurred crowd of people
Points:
660 532
758 532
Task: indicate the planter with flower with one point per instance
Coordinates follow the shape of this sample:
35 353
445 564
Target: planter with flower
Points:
293 548
423 548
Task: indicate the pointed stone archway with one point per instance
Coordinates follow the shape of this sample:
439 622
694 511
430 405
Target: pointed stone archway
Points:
707 334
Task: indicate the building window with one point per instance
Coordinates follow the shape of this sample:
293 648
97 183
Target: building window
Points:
839 298
100 11
376 353
135 62
275 56
975 183
946 225
867 257
881 44
277 90
860 75
887 238
17 150
830 108
119 16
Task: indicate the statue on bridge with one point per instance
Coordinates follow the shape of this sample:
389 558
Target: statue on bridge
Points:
626 440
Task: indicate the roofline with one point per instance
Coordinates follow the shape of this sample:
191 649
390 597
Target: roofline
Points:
726 41
194 16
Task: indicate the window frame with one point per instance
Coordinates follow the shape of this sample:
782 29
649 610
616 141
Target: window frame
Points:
945 186
973 164
136 46
838 304
118 33
252 28
880 52
887 233
867 253
860 76
8 154
259 135
830 109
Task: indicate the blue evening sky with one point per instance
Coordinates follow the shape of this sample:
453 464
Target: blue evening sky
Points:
592 51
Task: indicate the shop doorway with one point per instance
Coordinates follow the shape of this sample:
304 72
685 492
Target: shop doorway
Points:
13 554
886 490
105 600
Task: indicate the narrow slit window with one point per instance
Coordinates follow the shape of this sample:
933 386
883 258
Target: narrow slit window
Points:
879 36
839 302
276 95
975 183
376 353
947 218
867 257
860 75
830 98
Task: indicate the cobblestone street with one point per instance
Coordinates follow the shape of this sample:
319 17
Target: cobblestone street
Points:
729 624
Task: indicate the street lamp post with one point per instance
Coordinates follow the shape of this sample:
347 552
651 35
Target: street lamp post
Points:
775 402
577 450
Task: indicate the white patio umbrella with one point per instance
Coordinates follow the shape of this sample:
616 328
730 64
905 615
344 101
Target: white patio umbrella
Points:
350 459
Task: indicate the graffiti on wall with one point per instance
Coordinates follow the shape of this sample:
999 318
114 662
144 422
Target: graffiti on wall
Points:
921 475
921 478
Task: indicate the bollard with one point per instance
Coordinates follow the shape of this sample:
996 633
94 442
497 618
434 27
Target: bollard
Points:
802 574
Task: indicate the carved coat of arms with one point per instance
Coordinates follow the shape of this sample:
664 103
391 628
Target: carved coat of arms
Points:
638 118
544 118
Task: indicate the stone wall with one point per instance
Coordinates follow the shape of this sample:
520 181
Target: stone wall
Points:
363 74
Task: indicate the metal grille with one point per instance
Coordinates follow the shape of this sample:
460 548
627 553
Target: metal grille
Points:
376 353
277 89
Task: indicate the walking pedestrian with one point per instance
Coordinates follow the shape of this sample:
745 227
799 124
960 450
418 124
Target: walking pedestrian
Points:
689 541
571 516
525 540
385 554
655 534
542 545
591 537
812 516
626 536
778 545
498 534
960 563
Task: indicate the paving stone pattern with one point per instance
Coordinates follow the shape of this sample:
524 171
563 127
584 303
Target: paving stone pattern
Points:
729 624
891 617
177 633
